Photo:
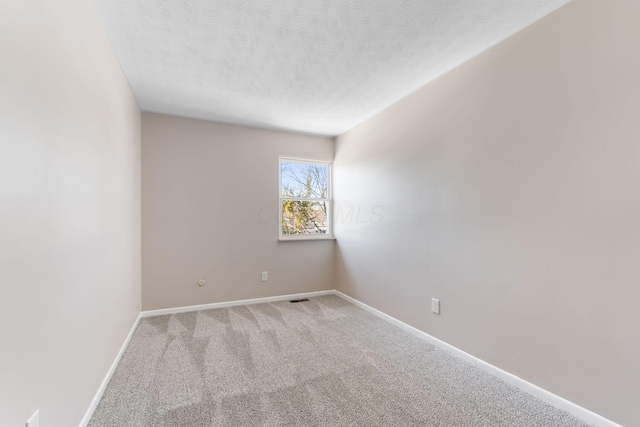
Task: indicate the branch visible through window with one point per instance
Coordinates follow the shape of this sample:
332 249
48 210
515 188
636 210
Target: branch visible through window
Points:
304 194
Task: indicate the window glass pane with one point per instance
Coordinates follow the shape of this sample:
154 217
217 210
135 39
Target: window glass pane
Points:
300 217
304 180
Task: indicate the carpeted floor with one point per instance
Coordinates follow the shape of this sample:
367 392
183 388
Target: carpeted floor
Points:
324 362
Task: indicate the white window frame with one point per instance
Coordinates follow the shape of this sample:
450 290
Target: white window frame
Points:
329 201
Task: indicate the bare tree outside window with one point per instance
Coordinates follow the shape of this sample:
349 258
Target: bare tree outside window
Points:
305 198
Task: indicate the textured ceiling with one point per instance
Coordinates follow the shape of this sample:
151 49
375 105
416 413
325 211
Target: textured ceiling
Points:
313 66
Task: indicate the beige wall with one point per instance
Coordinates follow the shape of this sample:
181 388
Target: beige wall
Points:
69 210
209 207
509 189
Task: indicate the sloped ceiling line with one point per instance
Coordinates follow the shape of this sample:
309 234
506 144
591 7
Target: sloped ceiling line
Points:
313 66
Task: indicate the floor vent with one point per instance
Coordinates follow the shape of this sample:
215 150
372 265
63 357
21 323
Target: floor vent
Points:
299 300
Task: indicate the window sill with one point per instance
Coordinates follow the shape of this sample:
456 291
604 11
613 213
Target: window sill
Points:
306 238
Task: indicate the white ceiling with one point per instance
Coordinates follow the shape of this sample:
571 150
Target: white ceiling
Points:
312 66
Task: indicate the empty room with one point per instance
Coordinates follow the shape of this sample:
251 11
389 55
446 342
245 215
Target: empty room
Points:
319 213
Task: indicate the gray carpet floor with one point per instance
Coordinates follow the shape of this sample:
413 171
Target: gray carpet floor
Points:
324 362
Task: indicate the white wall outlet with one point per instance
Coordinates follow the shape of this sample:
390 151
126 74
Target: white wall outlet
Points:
435 305
202 282
34 421
265 276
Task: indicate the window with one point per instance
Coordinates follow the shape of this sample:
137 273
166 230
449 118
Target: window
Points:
305 199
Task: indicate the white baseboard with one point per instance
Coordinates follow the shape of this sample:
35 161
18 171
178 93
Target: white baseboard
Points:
550 398
163 311
150 313
107 378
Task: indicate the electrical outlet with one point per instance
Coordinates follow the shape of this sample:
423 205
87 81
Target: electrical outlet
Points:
34 421
435 305
265 276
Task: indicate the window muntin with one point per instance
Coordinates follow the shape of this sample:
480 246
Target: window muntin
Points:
305 199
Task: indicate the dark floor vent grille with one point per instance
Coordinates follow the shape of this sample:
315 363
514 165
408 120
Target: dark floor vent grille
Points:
299 300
